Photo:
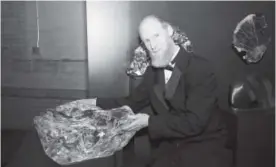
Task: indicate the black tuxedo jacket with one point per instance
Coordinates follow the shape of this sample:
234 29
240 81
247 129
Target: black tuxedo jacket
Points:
185 108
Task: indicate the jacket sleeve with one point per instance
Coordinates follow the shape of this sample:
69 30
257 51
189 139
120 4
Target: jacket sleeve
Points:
137 100
200 101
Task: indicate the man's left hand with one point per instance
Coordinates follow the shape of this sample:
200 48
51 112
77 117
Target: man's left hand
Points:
140 121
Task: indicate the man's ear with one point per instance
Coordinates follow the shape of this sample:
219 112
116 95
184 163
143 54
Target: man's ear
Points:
169 29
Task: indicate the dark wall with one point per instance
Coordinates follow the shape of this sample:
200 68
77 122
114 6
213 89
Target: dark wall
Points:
30 83
62 43
210 26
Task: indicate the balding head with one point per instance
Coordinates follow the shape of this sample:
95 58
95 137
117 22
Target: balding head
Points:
151 19
156 37
149 22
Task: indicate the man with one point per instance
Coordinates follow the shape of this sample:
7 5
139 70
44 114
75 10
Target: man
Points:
178 105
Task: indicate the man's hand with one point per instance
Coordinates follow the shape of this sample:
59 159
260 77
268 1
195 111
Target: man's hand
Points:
140 121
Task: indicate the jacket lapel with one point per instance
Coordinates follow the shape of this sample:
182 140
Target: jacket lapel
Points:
182 60
172 83
159 92
158 89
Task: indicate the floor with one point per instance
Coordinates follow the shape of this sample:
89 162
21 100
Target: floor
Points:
10 142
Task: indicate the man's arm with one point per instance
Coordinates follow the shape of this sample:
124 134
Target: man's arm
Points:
201 100
137 99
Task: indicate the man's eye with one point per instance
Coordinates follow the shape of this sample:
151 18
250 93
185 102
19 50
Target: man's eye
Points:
156 35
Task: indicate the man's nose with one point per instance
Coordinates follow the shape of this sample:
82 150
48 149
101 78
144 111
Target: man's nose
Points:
153 45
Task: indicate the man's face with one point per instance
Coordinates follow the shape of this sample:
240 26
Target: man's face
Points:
157 41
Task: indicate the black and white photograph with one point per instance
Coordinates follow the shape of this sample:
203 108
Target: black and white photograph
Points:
96 83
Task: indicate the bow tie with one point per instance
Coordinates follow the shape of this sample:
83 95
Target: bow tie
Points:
169 67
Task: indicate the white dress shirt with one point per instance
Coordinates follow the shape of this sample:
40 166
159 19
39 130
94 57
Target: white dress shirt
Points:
168 73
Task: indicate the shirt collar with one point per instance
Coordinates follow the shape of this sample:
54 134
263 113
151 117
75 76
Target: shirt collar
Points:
175 54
